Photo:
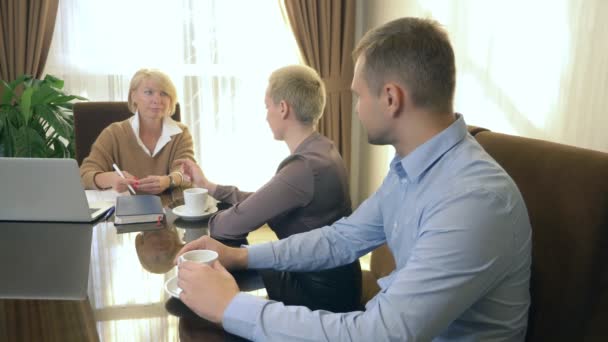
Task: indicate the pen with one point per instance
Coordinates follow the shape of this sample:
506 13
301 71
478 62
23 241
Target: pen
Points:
123 177
108 214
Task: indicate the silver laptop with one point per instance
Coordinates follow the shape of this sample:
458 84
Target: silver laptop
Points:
48 190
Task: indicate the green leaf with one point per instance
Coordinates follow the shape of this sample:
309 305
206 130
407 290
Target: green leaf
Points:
31 82
57 147
7 93
14 116
6 138
19 80
43 94
53 81
29 143
36 118
26 104
55 119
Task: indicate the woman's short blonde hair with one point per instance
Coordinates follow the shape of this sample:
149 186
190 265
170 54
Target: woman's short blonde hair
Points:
302 88
159 77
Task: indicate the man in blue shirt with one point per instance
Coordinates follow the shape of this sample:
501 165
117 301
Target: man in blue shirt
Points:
451 216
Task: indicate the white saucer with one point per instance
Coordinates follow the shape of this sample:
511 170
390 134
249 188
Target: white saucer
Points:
185 215
171 287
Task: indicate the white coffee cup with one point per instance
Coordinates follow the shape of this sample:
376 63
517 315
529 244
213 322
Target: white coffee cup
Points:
196 200
201 256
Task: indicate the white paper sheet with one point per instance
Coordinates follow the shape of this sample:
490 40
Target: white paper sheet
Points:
103 196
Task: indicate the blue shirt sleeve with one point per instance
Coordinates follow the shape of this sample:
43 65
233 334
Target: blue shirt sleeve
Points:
327 247
455 261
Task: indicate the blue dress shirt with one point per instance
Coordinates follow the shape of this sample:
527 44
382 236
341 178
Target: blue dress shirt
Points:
460 234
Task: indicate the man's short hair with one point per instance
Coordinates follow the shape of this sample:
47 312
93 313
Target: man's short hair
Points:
302 88
416 53
159 77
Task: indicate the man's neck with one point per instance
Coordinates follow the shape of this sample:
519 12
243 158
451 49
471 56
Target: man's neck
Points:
420 128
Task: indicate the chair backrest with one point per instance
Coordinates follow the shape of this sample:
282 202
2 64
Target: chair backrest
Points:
90 118
566 192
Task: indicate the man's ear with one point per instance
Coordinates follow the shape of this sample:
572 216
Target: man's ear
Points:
284 109
395 98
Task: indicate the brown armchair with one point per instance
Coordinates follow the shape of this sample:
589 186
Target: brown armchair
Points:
566 191
90 118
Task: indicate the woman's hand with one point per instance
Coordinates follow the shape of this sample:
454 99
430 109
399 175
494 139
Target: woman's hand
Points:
191 170
113 180
153 184
232 258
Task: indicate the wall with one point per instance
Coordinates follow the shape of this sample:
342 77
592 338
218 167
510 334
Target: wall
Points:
536 69
369 164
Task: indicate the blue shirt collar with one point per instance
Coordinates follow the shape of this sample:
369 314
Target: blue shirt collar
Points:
412 166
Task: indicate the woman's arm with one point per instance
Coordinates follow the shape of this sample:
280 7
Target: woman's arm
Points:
184 150
292 187
96 169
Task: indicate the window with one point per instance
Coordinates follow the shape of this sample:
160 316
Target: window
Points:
219 54
218 57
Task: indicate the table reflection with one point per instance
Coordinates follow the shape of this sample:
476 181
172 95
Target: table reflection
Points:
129 267
156 250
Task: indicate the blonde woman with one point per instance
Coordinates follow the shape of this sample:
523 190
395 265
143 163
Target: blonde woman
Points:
143 146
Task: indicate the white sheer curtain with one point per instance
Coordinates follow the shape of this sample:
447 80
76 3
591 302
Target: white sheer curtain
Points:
531 68
219 54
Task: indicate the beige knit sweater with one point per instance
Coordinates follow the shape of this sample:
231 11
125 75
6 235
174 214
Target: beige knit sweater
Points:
117 143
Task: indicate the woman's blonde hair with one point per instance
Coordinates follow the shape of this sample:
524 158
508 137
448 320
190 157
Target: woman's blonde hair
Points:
159 77
302 88
158 260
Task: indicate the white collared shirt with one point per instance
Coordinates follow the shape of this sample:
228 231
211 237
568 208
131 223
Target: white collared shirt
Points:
169 129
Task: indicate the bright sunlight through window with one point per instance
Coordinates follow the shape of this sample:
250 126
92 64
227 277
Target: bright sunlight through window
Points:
218 57
219 54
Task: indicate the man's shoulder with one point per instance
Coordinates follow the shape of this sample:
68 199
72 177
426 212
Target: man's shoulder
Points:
317 143
467 172
317 150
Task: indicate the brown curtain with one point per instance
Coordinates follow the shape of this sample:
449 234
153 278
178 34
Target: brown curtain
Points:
26 29
325 32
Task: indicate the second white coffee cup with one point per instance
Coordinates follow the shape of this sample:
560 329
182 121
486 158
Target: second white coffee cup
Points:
196 200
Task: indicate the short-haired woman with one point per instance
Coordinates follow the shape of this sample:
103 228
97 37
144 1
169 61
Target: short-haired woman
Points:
308 191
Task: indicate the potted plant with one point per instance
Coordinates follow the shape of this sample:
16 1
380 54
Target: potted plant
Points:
36 118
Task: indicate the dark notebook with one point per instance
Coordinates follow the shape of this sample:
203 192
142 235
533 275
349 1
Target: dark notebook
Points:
138 209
